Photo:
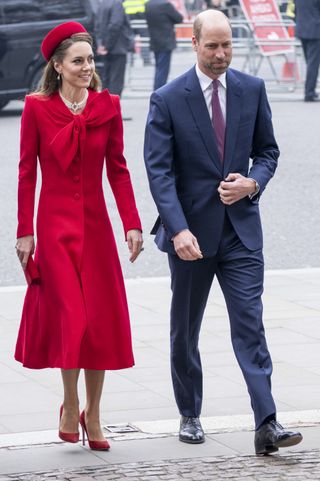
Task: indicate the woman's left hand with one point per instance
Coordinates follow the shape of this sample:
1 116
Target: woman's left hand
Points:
135 241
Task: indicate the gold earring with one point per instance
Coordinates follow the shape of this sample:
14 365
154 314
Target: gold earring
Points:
58 77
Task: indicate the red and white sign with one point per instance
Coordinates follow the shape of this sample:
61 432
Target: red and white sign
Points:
266 22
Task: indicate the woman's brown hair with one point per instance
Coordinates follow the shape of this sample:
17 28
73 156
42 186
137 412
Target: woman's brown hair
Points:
49 82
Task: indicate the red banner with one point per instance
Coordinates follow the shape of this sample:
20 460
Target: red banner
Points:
267 25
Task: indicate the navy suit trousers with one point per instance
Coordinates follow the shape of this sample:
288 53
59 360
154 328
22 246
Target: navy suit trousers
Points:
240 275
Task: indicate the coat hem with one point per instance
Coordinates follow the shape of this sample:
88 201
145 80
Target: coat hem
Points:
108 367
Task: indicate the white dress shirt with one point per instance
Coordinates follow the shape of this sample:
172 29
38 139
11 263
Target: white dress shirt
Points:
206 87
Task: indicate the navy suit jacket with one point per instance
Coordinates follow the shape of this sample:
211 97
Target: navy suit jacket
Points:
183 163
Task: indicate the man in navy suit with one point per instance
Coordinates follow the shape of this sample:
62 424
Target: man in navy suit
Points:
202 130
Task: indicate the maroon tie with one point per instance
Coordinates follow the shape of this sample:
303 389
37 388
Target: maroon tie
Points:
217 119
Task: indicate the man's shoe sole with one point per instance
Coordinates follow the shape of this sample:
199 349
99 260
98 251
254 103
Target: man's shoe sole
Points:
284 443
192 441
291 441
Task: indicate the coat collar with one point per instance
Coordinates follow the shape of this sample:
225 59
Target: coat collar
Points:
70 139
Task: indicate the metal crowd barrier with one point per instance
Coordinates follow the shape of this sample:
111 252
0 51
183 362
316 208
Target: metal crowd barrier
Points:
285 70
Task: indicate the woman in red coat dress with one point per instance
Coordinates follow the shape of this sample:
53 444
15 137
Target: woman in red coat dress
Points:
76 317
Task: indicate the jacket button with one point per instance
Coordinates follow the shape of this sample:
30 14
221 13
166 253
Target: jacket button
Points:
76 179
76 196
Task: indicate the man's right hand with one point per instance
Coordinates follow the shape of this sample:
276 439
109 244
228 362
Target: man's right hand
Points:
186 246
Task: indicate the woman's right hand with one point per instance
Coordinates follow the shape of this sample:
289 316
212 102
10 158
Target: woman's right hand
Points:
24 247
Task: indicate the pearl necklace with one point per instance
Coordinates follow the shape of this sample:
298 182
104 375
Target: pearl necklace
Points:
74 106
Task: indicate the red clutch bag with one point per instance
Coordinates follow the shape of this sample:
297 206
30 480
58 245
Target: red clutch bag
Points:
31 272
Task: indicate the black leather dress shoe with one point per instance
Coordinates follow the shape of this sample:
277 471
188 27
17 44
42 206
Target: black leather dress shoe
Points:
191 430
272 436
313 98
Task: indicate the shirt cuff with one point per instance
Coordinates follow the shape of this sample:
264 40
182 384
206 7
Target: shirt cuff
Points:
256 192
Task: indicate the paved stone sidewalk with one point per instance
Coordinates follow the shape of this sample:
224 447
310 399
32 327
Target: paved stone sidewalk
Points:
143 396
297 466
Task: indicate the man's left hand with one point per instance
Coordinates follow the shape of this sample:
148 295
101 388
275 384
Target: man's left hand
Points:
235 187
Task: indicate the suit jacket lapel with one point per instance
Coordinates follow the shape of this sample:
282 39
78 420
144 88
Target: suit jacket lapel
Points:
234 105
199 110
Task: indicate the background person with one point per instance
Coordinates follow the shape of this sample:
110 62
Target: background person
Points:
77 316
202 130
307 16
136 10
115 39
161 18
216 4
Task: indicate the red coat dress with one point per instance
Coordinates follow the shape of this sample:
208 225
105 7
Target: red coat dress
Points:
77 317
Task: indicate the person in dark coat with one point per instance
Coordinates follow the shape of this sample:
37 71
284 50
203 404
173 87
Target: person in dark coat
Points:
115 39
308 31
161 17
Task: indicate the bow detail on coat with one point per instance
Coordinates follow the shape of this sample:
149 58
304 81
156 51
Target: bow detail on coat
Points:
70 140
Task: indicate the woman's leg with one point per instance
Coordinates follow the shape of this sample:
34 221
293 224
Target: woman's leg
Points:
70 416
94 384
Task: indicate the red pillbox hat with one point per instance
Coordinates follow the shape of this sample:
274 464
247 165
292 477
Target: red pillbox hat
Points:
57 35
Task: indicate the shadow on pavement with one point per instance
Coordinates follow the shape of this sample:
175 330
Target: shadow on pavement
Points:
10 113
